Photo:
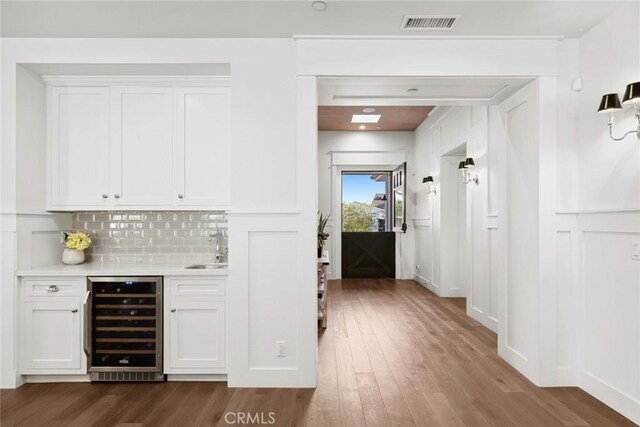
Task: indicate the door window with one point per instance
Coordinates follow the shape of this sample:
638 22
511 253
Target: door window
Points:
365 201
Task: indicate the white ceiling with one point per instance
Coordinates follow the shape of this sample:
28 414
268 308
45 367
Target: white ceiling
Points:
430 90
263 18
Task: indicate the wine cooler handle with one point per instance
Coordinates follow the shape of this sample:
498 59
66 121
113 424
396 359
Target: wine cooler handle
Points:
87 332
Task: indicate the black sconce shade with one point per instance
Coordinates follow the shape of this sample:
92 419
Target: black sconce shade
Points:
611 102
469 163
632 94
461 166
427 180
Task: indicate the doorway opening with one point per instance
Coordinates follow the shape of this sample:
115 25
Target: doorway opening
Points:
368 242
453 224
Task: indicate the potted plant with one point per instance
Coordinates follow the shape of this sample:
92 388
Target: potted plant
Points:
76 244
322 236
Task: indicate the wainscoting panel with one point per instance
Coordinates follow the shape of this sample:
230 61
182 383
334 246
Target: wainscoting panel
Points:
566 336
611 328
424 254
495 262
272 297
270 268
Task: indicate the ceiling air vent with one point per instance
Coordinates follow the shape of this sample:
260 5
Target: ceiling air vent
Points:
429 22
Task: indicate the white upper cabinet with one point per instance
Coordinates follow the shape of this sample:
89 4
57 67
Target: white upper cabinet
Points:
201 146
79 147
141 146
130 144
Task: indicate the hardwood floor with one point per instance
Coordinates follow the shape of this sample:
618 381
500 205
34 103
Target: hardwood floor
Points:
393 355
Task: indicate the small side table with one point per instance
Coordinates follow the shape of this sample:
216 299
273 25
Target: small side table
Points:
322 289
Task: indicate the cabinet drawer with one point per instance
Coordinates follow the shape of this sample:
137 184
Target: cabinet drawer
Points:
53 287
197 286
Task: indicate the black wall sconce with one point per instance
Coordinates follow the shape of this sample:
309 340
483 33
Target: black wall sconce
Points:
464 168
611 103
430 184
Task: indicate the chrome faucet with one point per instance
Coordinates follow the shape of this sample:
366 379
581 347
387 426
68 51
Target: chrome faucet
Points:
219 255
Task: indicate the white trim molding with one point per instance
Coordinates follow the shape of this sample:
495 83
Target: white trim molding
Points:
222 81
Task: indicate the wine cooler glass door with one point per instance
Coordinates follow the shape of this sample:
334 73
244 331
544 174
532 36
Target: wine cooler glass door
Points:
126 324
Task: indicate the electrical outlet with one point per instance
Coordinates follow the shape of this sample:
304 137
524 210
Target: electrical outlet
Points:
417 266
281 349
635 253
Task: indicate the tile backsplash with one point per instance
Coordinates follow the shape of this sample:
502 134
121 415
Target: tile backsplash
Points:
152 237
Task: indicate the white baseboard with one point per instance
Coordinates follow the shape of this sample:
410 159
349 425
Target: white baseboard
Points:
57 378
619 401
197 377
427 284
566 377
10 379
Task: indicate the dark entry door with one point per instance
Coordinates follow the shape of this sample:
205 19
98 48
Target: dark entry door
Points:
368 242
368 255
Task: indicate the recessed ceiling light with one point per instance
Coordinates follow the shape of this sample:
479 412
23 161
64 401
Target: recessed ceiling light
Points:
412 91
363 127
365 118
368 110
319 6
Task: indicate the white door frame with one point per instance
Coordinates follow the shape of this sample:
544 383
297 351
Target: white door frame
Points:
547 125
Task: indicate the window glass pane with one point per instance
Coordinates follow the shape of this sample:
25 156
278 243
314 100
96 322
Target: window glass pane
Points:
365 201
398 200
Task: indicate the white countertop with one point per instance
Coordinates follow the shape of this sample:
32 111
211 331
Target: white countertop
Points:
100 269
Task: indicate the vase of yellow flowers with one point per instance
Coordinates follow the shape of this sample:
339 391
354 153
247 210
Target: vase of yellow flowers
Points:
76 244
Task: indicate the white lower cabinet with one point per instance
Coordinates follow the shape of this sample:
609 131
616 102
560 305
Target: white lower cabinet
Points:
52 338
52 330
194 327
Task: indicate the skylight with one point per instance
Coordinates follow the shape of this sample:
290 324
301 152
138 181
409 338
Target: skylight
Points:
365 118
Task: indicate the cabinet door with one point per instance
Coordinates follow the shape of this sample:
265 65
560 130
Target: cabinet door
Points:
196 340
79 147
202 147
141 146
51 336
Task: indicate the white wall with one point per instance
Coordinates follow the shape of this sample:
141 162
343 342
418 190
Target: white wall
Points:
38 241
435 138
385 146
607 221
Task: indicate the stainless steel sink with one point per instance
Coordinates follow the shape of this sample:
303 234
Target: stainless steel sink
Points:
205 266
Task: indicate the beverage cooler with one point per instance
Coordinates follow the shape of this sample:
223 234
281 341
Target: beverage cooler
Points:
123 328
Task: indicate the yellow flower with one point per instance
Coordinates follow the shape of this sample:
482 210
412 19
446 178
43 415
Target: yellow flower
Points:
78 241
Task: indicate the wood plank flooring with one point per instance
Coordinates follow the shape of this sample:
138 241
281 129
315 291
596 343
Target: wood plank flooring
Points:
393 354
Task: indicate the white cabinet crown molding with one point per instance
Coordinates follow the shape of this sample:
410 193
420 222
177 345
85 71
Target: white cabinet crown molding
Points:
221 81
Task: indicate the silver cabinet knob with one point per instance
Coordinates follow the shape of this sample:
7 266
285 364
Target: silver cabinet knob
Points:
53 288
105 196
173 310
75 310
117 196
180 196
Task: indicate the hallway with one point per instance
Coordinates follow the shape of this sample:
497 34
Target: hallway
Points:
393 354
396 354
